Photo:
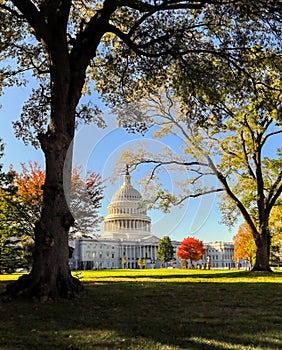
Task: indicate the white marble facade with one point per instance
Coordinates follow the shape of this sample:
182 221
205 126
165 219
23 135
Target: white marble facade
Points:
127 236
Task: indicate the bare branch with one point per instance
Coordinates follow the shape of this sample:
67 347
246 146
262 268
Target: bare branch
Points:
270 134
169 162
216 190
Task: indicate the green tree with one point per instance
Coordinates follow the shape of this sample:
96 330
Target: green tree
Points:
69 43
165 252
15 242
16 225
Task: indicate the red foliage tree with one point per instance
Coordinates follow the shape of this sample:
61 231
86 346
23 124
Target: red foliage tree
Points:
191 249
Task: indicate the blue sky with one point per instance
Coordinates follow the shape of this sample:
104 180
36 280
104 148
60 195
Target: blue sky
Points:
98 150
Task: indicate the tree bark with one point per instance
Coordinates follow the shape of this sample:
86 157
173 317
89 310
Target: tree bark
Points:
50 276
263 250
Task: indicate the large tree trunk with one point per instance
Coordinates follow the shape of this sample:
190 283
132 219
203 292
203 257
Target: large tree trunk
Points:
50 276
263 250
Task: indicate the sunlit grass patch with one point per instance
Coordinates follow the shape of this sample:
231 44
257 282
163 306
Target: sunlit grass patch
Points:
215 344
180 275
152 309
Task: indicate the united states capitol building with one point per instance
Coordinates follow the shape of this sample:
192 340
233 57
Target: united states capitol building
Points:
127 237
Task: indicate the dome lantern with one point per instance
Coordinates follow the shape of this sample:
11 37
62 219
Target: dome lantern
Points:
127 213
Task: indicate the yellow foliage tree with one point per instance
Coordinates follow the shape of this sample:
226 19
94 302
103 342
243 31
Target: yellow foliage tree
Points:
244 244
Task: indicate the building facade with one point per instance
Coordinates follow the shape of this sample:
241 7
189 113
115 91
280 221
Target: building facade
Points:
127 237
219 254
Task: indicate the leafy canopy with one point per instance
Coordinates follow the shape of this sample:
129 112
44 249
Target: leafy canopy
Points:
125 48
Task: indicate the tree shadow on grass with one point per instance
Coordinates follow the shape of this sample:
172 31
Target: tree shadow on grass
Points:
132 315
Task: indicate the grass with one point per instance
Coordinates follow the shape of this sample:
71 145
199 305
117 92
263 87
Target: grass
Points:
154 310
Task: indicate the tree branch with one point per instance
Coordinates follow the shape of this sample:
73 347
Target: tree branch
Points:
165 5
34 18
232 196
272 197
252 174
216 190
169 162
269 135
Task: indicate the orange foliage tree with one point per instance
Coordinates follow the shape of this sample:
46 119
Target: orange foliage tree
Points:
86 194
244 244
29 183
21 198
191 249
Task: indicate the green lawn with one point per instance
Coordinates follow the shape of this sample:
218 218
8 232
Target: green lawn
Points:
152 309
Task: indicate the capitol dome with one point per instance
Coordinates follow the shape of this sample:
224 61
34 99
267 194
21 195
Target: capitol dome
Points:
127 192
127 214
